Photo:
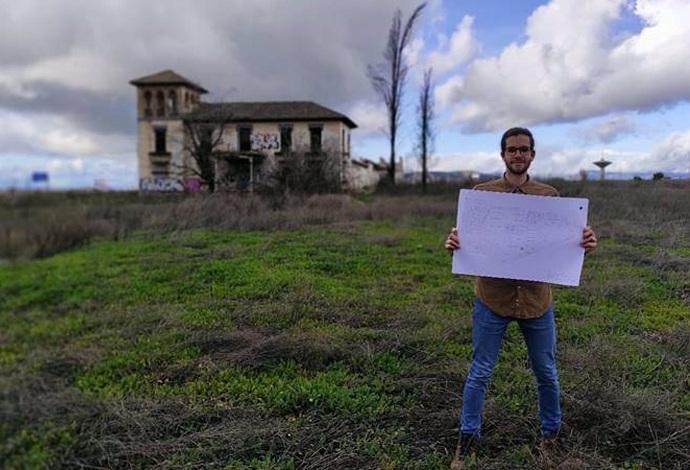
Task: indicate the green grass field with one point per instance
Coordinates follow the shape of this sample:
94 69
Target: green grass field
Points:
337 345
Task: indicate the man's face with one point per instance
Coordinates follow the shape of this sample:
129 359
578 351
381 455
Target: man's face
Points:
518 154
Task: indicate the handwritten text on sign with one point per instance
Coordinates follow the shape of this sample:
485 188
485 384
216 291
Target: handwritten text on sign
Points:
517 236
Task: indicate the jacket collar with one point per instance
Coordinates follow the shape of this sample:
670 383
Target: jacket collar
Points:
509 187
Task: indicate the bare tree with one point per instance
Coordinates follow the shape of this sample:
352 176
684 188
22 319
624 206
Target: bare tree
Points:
425 128
388 79
203 137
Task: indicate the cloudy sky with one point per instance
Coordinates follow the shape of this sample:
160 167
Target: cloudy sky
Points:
592 78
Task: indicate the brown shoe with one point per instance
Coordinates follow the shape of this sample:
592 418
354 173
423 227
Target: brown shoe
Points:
554 452
468 444
550 451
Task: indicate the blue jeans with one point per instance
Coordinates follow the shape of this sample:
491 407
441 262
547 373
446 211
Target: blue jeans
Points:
488 329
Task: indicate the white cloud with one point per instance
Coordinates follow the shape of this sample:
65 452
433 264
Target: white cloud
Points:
435 12
569 68
370 117
83 69
54 135
66 141
449 92
673 154
669 155
69 172
483 162
412 53
66 66
458 50
564 162
48 134
260 48
10 85
57 165
609 130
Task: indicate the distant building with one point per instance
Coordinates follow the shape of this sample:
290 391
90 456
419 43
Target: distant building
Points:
255 138
364 174
381 167
100 184
462 177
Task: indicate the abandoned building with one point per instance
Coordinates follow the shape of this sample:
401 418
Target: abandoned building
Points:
253 137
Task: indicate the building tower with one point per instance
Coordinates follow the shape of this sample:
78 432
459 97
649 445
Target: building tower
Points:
602 164
162 98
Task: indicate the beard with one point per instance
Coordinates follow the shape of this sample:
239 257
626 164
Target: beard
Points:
519 168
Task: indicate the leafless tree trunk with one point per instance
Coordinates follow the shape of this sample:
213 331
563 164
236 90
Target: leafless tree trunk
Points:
203 137
425 118
388 79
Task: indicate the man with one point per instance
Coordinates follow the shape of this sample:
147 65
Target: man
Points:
501 301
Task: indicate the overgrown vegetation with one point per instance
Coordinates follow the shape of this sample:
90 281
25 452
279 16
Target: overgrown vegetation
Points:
305 173
40 225
329 333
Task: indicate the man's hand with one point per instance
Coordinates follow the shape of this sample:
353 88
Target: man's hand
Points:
453 241
589 240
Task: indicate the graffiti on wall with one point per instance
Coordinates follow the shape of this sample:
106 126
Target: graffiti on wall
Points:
161 184
265 141
192 185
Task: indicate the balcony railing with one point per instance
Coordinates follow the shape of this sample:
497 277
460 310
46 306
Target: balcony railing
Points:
160 158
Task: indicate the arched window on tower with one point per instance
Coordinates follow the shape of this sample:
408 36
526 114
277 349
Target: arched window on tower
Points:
147 104
160 104
172 102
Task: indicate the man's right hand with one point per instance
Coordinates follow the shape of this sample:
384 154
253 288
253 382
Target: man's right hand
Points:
453 241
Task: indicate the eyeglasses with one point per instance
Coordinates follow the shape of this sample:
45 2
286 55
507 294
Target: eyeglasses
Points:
523 149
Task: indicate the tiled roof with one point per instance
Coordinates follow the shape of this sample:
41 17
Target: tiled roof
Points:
167 77
268 111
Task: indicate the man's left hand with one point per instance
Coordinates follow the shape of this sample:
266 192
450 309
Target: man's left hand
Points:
589 240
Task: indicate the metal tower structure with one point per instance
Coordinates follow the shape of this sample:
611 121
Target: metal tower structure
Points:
602 164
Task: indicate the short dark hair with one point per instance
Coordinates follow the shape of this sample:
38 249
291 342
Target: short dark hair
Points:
516 131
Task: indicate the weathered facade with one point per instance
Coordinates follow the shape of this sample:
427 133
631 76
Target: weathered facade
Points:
255 137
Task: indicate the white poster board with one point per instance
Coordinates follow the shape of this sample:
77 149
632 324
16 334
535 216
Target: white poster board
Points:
518 236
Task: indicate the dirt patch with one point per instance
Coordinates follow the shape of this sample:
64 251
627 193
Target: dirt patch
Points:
63 367
257 350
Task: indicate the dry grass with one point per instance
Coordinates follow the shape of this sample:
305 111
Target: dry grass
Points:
39 224
40 227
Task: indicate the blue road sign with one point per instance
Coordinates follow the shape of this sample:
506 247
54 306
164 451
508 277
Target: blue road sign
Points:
39 177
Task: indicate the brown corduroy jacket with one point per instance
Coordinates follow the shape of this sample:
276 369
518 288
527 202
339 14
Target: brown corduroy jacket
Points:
507 297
